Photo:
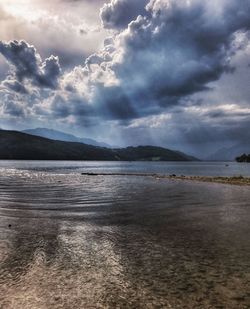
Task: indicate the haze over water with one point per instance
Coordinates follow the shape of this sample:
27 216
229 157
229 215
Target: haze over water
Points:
74 241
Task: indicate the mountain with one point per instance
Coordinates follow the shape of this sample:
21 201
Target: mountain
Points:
189 157
229 153
22 146
151 153
61 136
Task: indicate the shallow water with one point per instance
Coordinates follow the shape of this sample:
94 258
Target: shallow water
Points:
74 241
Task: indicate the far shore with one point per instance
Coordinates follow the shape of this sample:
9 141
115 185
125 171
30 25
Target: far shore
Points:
234 180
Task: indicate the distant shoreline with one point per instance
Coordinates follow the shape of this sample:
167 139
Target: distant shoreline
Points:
234 180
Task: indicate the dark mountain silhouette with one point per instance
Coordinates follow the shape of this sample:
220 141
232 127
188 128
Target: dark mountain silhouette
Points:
243 158
21 146
152 153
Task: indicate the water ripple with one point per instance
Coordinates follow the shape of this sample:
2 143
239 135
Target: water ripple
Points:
72 241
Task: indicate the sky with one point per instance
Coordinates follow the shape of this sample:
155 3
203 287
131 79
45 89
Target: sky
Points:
173 73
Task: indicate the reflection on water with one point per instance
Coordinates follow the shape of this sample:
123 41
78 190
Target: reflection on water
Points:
73 241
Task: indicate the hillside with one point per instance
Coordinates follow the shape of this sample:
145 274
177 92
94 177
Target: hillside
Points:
151 153
22 146
17 145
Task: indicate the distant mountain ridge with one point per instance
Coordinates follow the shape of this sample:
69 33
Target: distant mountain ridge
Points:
61 136
22 146
229 153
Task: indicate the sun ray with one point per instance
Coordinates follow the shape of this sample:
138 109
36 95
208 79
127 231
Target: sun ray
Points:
22 9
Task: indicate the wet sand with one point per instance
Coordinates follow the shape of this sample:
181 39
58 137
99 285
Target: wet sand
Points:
74 241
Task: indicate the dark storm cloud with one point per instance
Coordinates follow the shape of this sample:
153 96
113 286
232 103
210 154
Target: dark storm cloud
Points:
15 86
50 72
232 130
162 58
112 103
26 64
105 106
117 14
222 115
14 109
181 47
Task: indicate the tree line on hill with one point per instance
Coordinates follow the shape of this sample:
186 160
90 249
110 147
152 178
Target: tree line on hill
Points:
243 158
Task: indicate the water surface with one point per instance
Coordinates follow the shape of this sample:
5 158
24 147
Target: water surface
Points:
178 168
74 241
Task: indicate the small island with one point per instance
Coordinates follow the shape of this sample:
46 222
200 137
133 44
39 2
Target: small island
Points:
243 158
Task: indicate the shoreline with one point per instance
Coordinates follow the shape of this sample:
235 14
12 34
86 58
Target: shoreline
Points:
233 180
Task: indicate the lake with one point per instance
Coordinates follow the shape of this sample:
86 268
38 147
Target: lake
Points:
69 240
178 168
